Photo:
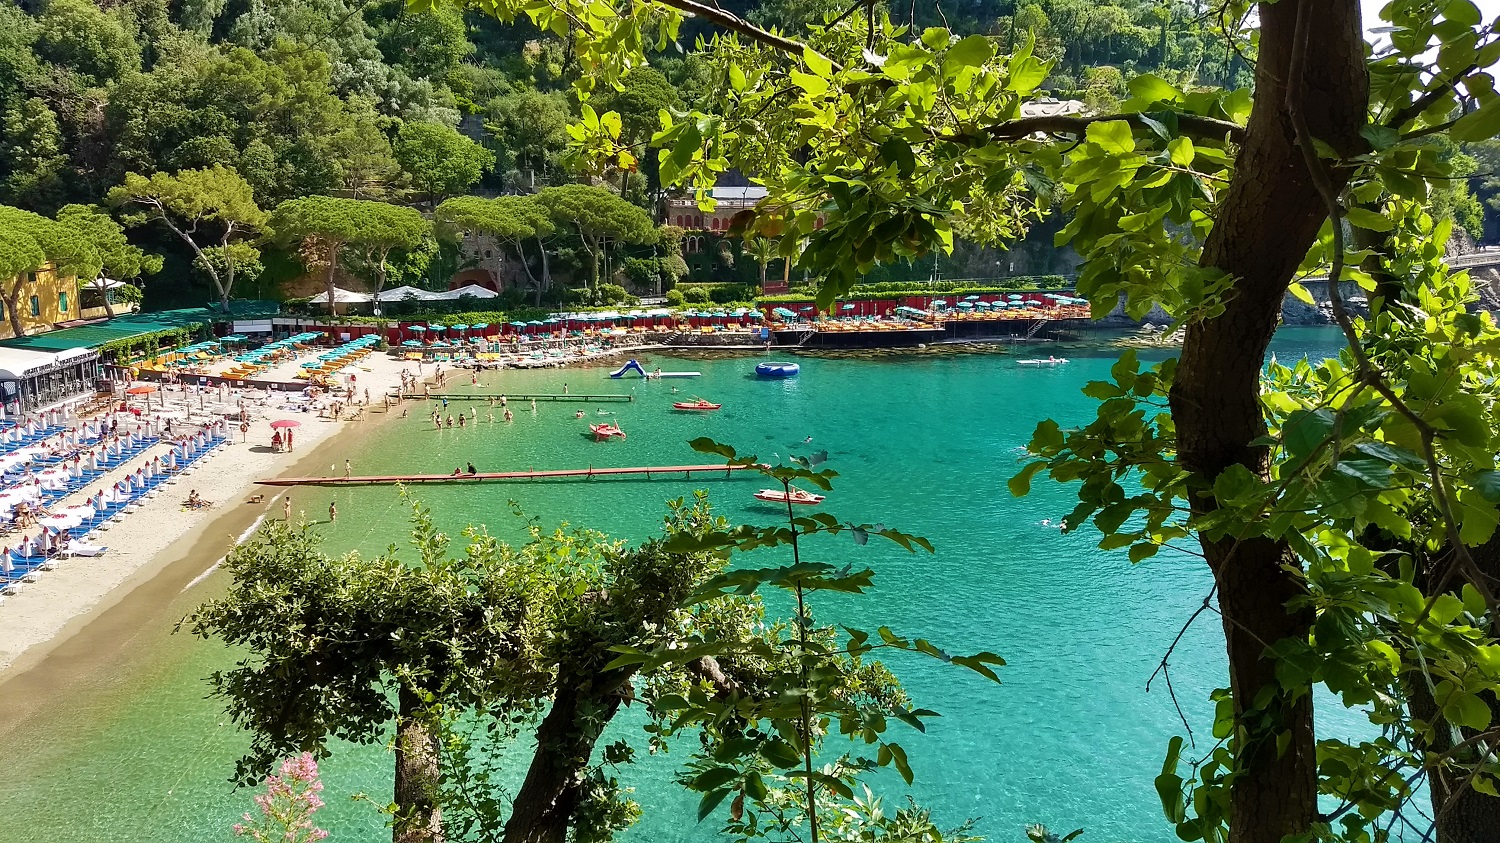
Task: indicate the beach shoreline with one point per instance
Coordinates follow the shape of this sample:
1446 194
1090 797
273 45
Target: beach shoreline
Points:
164 537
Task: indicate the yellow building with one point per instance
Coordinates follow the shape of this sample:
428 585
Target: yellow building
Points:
45 300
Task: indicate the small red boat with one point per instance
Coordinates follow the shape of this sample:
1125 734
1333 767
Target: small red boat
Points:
697 404
606 431
797 496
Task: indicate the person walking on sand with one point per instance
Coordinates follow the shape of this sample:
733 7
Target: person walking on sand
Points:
286 509
333 512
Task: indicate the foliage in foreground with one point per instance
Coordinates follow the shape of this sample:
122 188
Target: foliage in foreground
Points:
1346 515
464 655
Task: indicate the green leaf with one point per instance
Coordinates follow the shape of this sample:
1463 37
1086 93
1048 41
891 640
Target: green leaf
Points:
714 778
1478 125
1477 518
936 37
780 753
898 756
1487 484
1463 12
1151 89
898 152
814 85
1181 151
972 51
1020 485
817 62
1301 293
705 445
1113 136
1367 219
1467 710
710 802
1305 430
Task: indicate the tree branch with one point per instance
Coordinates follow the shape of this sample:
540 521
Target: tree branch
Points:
737 24
1190 124
1422 103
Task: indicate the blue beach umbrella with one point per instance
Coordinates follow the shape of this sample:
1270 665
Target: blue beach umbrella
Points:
480 327
412 344
431 327
971 298
963 305
417 329
847 307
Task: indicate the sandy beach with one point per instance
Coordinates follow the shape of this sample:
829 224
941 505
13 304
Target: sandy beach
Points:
142 543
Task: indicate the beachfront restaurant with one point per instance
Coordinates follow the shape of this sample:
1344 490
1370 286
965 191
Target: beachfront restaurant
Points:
31 381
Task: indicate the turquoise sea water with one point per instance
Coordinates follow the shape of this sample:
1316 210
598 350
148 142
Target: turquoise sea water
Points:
1071 738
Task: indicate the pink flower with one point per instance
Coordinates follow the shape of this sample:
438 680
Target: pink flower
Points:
287 805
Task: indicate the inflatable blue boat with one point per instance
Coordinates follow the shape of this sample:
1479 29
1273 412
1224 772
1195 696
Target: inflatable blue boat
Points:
777 370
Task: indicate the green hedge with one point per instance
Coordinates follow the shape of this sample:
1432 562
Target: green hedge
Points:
148 345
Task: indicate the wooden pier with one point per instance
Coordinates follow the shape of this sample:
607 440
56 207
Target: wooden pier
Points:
658 472
524 396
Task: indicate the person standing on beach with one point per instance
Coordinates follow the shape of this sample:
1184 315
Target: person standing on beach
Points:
286 509
508 416
333 512
347 469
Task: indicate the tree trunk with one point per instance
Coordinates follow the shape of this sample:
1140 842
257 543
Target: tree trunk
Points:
109 312
546 271
333 265
419 819
213 274
379 280
526 265
1270 216
13 310
592 245
544 806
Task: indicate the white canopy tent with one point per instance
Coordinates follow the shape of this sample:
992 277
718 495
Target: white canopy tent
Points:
403 293
474 290
341 296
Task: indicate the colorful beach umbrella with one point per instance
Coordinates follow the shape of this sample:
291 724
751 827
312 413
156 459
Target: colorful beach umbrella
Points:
280 423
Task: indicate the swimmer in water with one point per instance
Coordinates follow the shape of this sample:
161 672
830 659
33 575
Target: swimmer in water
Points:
602 412
807 440
578 415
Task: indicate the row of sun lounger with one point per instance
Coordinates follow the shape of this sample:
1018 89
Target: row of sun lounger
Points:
27 568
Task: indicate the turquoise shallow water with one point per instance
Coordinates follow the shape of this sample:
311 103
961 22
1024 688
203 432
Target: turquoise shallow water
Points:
1070 738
